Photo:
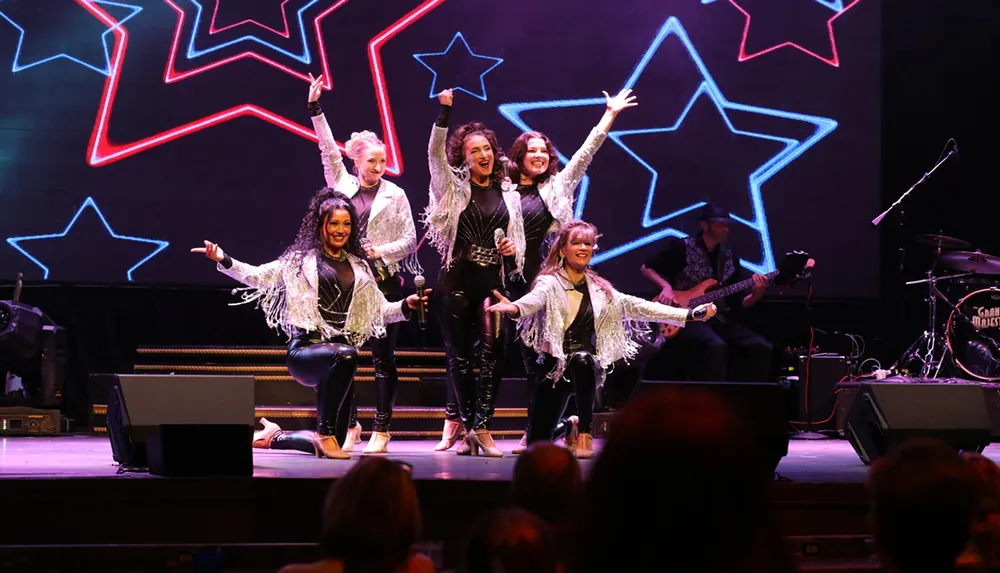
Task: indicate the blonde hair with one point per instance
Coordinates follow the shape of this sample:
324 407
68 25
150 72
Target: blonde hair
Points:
553 263
359 141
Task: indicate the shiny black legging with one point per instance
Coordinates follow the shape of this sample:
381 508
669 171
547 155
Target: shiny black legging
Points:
384 361
465 293
552 397
329 368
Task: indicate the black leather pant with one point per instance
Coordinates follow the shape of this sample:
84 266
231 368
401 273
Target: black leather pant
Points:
469 333
552 397
329 368
384 361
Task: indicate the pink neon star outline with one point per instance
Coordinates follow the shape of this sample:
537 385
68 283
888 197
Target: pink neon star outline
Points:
284 16
100 151
833 61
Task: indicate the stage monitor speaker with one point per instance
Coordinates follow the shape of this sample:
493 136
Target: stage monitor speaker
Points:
885 414
182 425
763 405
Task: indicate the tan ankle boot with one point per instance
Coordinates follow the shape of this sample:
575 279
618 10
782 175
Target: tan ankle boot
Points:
482 440
584 446
573 433
326 447
377 443
353 437
452 433
263 438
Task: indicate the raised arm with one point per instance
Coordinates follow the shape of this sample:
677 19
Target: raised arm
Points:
333 162
437 156
250 275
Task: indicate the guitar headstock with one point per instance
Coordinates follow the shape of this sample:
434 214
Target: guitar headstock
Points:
795 265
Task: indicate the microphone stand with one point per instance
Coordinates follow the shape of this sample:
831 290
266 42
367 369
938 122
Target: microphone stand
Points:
902 238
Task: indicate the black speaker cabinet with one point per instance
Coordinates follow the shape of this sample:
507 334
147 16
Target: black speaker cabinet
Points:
884 414
763 405
182 425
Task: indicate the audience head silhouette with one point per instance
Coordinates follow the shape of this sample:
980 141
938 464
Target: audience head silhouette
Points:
510 540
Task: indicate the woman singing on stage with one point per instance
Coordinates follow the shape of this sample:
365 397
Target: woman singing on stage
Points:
579 324
320 293
547 200
477 228
387 236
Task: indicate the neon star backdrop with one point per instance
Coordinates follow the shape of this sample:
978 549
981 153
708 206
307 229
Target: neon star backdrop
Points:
774 116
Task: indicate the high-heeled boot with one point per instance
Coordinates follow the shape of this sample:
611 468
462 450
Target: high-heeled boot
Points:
573 434
353 437
482 440
327 447
378 443
584 447
263 438
522 445
452 433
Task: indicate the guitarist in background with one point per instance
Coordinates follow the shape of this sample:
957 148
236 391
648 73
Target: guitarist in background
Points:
722 349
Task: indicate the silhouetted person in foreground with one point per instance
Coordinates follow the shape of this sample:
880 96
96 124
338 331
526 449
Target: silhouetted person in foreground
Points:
548 483
510 540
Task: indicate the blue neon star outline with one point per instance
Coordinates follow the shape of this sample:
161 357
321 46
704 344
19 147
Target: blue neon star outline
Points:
16 67
14 241
482 81
824 126
835 5
304 56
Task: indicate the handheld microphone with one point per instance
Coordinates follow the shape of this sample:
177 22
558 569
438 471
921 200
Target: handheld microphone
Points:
499 235
418 281
699 313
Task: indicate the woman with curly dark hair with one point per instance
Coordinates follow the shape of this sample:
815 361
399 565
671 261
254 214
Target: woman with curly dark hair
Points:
547 195
477 227
322 295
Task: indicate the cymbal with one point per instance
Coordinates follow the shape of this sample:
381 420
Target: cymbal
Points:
971 262
942 241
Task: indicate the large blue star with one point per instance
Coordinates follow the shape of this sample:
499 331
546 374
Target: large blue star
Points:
16 241
110 24
302 55
489 64
792 149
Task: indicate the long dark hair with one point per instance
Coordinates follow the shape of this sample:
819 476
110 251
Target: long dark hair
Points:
553 261
520 149
456 147
310 237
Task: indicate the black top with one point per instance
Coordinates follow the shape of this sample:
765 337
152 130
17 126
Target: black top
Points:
580 334
336 289
537 221
478 223
671 261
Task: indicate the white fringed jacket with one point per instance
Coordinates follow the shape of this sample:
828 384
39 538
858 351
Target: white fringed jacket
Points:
390 222
557 191
545 315
288 292
450 195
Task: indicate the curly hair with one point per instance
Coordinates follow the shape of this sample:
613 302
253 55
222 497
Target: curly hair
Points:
456 147
310 237
553 262
520 149
360 140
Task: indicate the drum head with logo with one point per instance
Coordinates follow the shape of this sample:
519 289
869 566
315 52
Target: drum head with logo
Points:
972 350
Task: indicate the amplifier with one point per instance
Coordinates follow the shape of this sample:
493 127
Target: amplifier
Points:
29 422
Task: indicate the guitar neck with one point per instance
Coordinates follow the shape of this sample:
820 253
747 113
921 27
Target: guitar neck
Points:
725 291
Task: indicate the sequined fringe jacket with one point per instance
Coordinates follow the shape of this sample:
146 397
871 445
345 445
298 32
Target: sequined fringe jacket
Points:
557 191
544 317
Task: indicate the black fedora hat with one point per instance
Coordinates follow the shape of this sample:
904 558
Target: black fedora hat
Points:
714 212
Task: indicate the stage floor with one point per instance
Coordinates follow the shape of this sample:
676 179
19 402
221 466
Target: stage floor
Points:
86 456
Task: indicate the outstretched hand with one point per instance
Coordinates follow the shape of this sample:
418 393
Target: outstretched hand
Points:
413 300
504 306
446 97
211 251
620 101
315 88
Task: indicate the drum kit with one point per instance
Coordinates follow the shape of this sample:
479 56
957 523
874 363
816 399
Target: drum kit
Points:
968 283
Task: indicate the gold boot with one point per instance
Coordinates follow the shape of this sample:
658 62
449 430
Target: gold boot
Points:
263 438
451 435
482 440
377 443
572 434
326 447
584 446
353 437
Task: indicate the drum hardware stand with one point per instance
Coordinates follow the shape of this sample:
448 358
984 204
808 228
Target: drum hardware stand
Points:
931 340
993 344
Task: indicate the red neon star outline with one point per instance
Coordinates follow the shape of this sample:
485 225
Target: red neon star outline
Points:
833 61
100 151
284 16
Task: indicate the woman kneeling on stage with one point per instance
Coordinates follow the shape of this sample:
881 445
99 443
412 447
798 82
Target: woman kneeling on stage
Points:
579 324
321 294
